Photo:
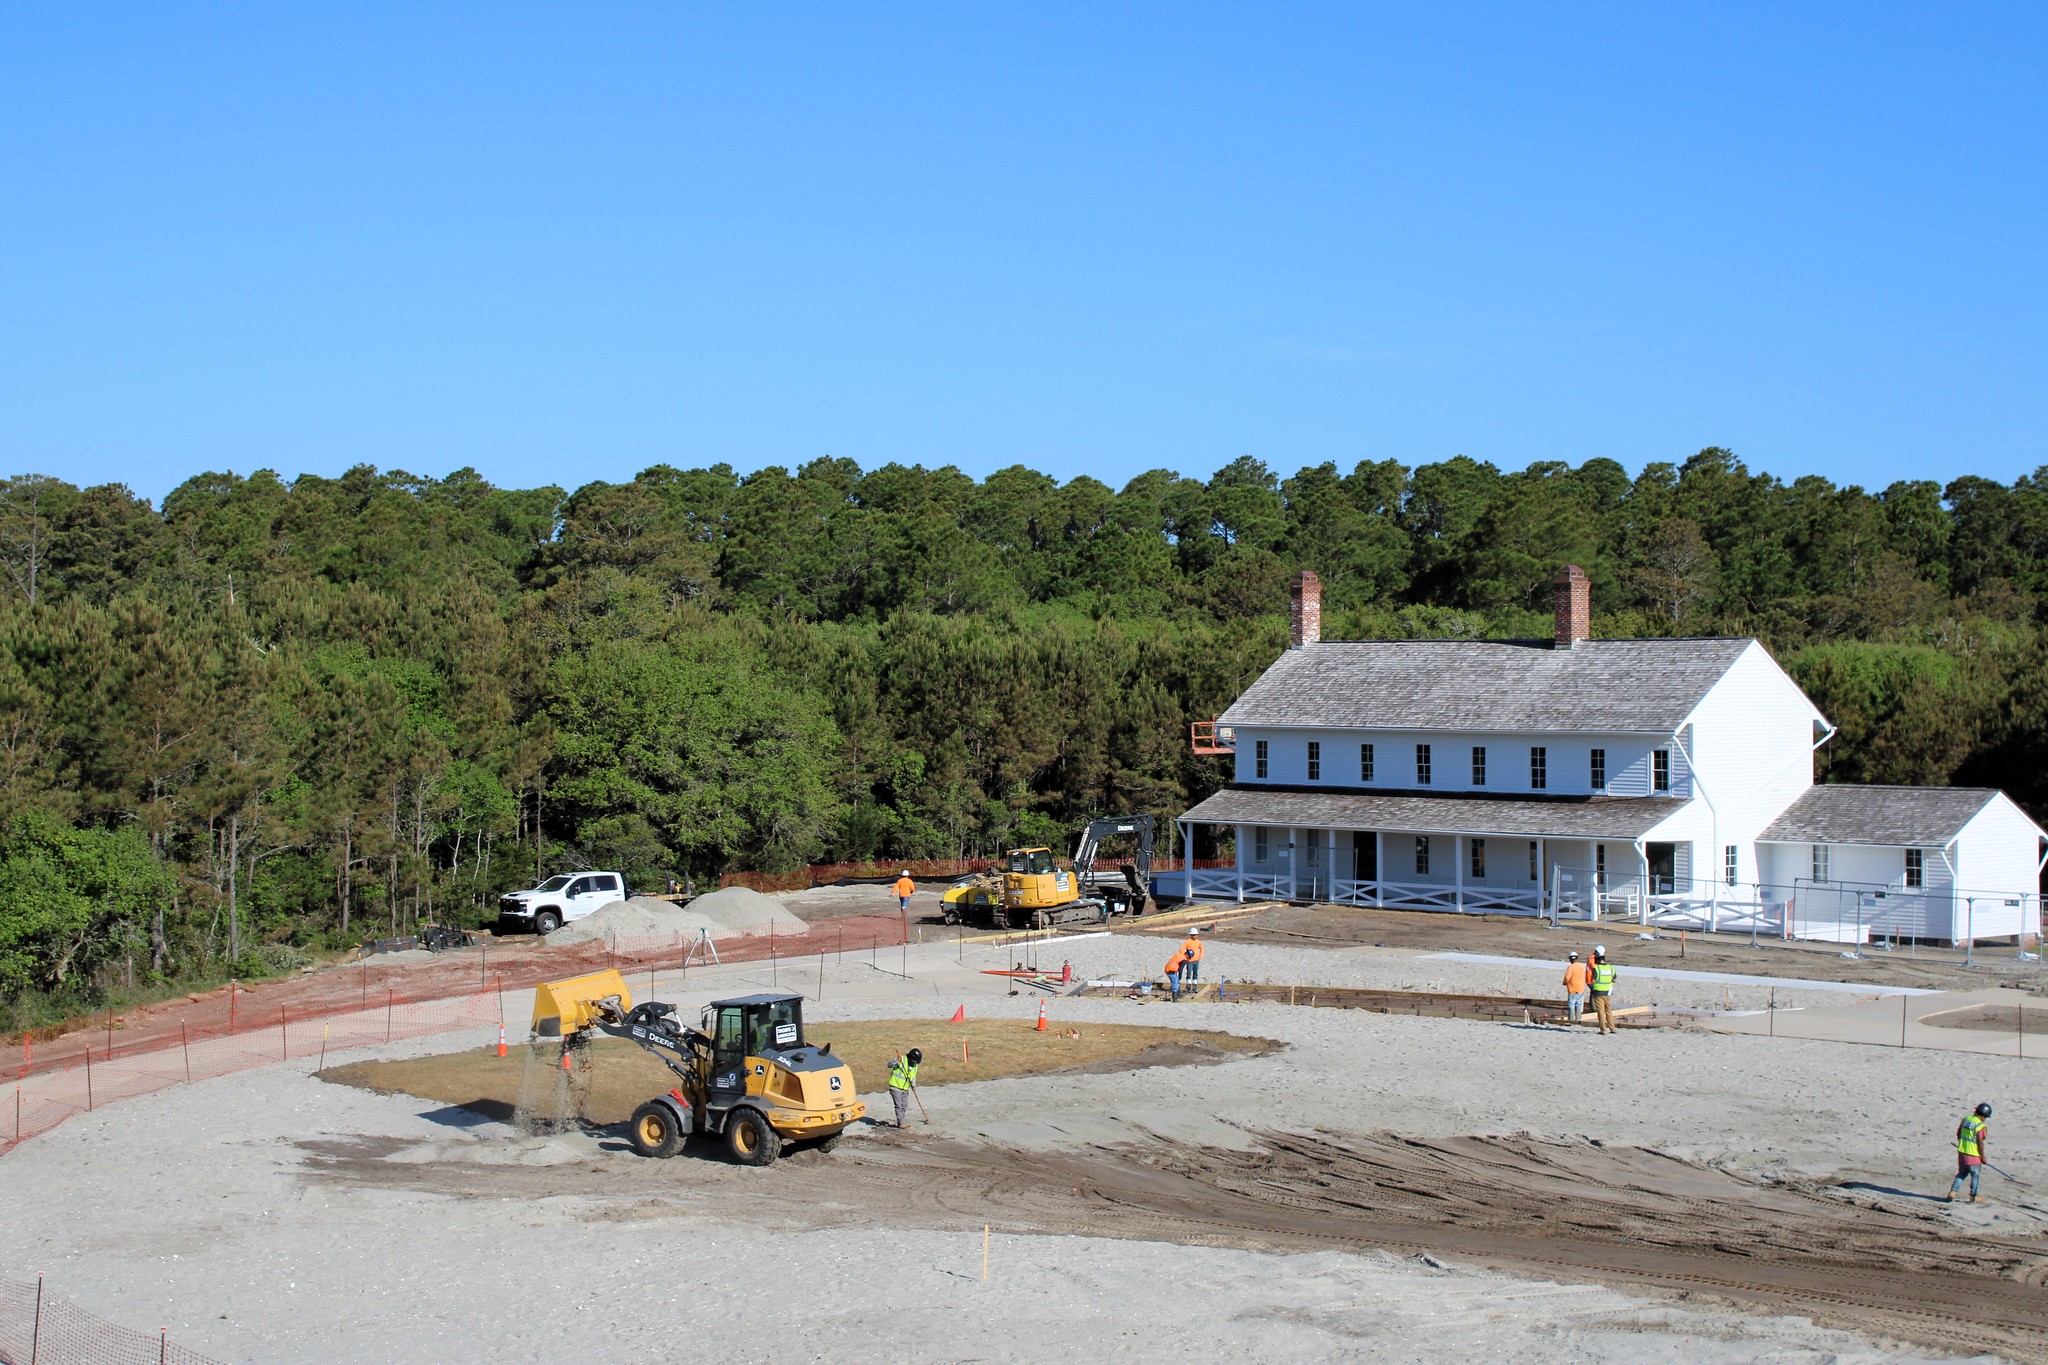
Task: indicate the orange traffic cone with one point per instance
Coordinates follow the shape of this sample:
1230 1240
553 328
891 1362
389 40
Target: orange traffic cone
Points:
1041 1017
959 1015
501 1040
565 1059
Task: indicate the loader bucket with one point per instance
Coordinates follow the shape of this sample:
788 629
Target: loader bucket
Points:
563 1007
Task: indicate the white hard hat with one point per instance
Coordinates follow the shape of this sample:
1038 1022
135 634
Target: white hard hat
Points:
1601 949
1193 932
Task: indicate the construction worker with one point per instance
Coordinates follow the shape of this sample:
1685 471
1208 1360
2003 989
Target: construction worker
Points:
905 889
1191 953
1971 1135
1603 989
1174 965
903 1081
1578 977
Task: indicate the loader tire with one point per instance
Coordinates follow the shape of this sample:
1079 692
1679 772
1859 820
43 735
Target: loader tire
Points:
826 1144
752 1141
654 1130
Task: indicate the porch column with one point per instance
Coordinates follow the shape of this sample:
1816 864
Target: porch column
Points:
1239 860
1379 867
1542 873
1458 866
1294 862
1187 859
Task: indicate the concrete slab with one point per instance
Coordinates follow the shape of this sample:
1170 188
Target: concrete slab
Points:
1717 978
1901 1022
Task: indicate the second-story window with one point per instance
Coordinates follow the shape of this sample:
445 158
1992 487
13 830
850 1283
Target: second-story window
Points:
1916 869
1365 763
1259 755
1660 770
1422 765
1478 765
1597 763
1315 760
1479 858
1539 767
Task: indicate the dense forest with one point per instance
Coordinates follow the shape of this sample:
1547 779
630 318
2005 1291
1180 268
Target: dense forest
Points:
273 716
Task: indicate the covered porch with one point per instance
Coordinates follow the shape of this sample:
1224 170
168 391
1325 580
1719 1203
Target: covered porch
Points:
1567 858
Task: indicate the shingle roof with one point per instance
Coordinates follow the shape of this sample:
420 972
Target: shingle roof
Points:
1586 817
1906 817
1603 686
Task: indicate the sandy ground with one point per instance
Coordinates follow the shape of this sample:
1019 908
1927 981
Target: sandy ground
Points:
272 1217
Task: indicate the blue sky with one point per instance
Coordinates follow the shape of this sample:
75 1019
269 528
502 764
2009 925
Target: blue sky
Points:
563 243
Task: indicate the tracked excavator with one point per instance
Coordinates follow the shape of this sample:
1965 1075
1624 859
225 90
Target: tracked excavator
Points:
1032 891
749 1074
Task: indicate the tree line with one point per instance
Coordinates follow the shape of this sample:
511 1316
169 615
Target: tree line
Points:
274 715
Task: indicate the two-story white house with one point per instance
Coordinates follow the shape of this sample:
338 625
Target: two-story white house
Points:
1665 778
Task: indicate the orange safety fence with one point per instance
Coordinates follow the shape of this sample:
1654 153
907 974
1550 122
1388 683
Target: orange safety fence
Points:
239 1028
39 1328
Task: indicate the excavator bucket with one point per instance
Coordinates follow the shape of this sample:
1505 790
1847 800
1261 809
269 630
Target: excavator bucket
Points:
564 1007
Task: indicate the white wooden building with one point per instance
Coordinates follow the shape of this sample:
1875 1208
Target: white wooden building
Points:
1665 779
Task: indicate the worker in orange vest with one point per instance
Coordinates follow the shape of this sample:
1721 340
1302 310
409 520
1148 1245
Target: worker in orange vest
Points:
1191 951
1174 965
905 889
1578 979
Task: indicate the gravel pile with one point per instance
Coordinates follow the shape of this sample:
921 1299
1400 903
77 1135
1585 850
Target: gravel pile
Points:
731 911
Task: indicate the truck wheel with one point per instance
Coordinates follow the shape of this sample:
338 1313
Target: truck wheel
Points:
546 922
655 1131
752 1141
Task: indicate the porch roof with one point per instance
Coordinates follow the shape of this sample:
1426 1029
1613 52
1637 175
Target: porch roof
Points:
1585 817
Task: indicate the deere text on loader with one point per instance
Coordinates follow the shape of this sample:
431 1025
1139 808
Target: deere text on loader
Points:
749 1074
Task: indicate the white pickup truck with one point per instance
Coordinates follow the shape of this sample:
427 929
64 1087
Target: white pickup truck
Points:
558 900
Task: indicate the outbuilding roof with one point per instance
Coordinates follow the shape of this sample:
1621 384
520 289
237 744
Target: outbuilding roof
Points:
1901 817
1602 686
1585 817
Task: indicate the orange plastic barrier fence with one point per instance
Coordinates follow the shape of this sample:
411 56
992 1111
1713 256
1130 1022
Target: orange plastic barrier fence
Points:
234 1032
39 1328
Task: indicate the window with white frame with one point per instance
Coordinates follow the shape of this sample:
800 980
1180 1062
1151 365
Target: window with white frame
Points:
1597 766
1539 767
1916 869
1731 863
1315 848
1535 861
1315 761
1365 763
1422 765
1479 858
1822 863
1260 753
1660 770
1479 765
1262 845
1600 867
1422 855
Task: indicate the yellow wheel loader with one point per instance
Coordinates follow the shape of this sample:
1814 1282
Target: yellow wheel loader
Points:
749 1074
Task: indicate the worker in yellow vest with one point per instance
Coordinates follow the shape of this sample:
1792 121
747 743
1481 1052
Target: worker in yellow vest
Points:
1971 1135
1603 989
903 1081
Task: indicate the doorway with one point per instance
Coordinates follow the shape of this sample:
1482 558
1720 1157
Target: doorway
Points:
1661 862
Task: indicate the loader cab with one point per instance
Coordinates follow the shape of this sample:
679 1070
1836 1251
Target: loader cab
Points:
748 1030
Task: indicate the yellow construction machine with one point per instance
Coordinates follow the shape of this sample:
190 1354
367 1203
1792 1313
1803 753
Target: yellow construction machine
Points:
1032 891
749 1074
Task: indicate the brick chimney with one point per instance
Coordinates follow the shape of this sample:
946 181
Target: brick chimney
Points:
1305 614
1574 608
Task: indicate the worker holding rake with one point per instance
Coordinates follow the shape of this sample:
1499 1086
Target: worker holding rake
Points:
903 1084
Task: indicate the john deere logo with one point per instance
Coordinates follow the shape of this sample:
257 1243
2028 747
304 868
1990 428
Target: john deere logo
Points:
835 1082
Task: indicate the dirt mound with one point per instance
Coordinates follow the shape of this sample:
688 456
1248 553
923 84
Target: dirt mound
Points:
724 913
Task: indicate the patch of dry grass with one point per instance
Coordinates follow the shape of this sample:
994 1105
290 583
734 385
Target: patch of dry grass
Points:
620 1075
